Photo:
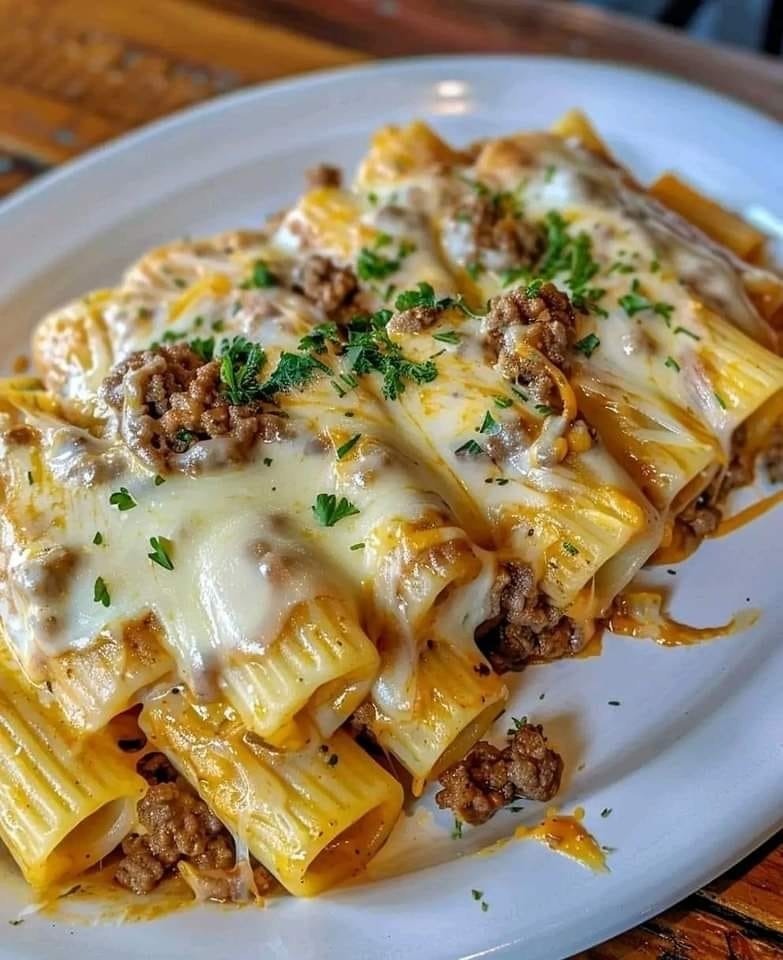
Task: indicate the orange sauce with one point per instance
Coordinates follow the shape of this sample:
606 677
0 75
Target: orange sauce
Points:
568 836
641 614
730 524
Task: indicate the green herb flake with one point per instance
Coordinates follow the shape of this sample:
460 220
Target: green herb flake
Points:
502 402
484 906
456 832
721 401
328 510
318 336
672 364
570 549
372 265
348 446
518 722
474 270
544 409
267 461
293 372
357 546
98 539
588 345
471 448
447 336
513 275
477 894
161 552
218 326
634 302
372 198
549 172
489 425
260 278
687 332
605 812
159 480
520 394
613 703
240 364
122 500
101 592
30 477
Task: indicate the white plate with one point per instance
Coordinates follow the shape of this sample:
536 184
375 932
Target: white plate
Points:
691 763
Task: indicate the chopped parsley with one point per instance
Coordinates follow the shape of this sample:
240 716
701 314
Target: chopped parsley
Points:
721 401
30 478
605 812
502 402
203 347
518 722
634 302
161 552
122 500
260 278
588 345
687 332
489 425
371 350
372 265
240 364
219 326
159 480
267 461
549 172
328 510
544 409
317 338
447 336
185 437
520 394
613 703
101 592
619 267
293 371
424 296
98 539
471 448
348 446
672 364
456 832
479 895
570 549
356 546
474 270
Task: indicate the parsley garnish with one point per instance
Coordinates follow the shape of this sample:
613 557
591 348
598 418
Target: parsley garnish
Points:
588 345
544 409
447 336
203 347
159 480
260 278
489 424
372 265
613 703
502 402
348 446
687 332
605 812
456 833
477 894
370 349
634 302
424 296
721 401
356 546
549 173
241 362
328 510
672 364
185 436
122 500
219 326
471 448
101 592
98 539
30 478
316 339
619 267
267 461
570 549
520 394
474 270
518 722
160 552
293 371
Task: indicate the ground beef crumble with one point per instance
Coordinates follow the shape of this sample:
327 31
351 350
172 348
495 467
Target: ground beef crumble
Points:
170 399
545 321
488 778
527 627
179 827
328 285
324 175
498 237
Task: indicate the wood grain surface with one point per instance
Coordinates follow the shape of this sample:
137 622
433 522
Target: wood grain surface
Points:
74 73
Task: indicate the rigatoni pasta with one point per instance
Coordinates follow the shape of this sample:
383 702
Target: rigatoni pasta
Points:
287 505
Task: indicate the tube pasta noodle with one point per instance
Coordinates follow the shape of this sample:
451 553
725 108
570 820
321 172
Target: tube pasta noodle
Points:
313 816
287 493
65 802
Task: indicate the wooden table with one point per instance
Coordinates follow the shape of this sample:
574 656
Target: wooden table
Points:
74 73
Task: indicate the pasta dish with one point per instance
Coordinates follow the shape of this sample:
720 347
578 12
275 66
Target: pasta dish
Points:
282 512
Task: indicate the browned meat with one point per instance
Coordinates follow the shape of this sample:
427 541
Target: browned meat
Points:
179 827
324 175
171 400
772 457
488 778
546 322
527 626
413 320
498 236
327 285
